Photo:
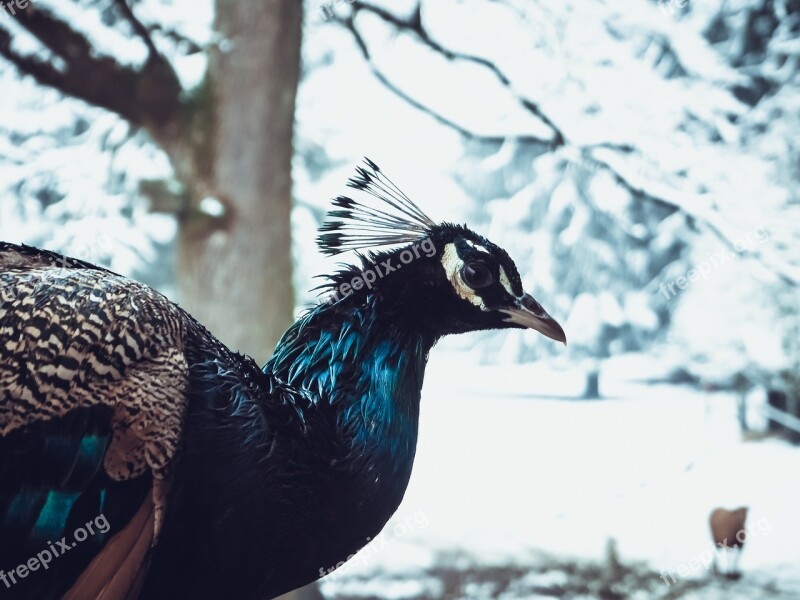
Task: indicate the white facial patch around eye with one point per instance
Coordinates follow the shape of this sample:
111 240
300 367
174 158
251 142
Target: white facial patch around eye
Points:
477 246
505 282
452 264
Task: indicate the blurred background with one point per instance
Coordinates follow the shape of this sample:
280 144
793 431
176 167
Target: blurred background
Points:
639 160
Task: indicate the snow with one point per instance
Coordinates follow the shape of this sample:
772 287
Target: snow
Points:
192 19
105 41
510 465
506 467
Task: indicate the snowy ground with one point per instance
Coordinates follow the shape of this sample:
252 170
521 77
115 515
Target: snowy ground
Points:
518 484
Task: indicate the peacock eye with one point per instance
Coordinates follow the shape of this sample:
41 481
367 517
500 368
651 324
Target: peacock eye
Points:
476 275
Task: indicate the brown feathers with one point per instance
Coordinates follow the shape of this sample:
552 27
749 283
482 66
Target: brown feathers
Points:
77 337
117 572
28 257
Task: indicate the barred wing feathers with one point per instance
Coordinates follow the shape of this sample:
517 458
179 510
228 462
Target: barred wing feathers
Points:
93 375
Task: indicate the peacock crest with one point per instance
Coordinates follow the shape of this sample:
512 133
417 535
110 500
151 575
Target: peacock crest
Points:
385 217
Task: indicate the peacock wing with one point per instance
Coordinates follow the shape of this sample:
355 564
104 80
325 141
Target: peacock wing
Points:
92 380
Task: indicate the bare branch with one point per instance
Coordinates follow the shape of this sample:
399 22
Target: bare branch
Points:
149 97
43 72
189 45
138 26
710 219
415 27
380 76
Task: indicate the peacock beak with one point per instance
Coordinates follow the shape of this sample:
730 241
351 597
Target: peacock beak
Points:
529 313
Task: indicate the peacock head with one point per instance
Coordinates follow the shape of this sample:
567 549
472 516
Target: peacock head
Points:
441 278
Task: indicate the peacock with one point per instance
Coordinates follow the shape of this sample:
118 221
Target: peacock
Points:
141 458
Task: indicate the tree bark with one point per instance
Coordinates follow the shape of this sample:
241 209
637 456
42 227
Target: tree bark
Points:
235 271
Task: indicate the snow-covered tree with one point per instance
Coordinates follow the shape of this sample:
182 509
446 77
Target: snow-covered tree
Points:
612 147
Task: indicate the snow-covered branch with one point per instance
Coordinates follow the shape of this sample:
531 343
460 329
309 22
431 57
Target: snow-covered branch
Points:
415 27
604 148
148 96
696 206
138 27
438 117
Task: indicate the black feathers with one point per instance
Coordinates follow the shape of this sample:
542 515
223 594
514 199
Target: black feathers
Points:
248 482
393 219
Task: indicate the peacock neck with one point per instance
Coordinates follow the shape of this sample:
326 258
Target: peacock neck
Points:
365 367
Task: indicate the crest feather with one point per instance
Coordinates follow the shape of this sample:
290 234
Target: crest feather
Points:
385 217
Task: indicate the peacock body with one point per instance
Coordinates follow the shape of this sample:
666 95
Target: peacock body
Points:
215 478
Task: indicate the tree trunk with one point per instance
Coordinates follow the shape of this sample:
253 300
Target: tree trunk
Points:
592 389
234 250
